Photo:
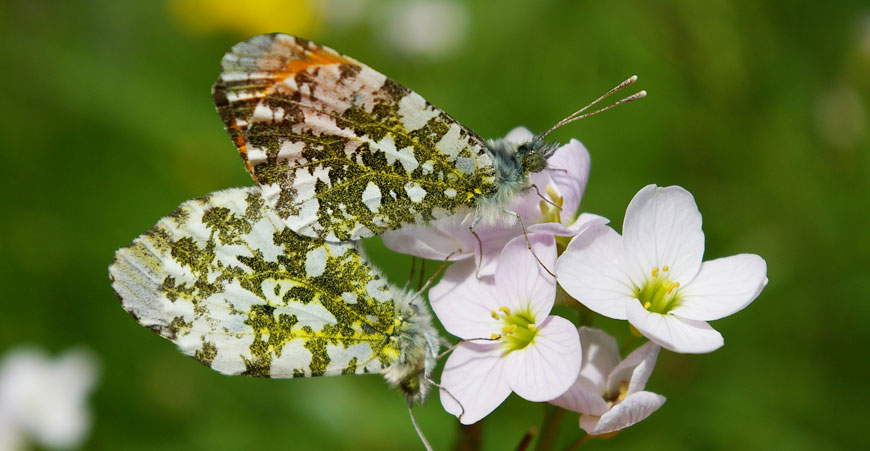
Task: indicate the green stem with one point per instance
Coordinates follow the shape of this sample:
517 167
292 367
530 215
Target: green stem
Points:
550 428
579 442
470 437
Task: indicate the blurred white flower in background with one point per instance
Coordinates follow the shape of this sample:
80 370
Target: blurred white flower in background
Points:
423 28
43 399
341 13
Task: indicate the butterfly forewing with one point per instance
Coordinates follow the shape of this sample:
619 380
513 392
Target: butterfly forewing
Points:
232 286
341 151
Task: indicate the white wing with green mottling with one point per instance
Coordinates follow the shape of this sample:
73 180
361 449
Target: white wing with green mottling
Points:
232 286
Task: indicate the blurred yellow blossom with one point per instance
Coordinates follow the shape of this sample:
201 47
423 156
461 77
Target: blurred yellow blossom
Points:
298 17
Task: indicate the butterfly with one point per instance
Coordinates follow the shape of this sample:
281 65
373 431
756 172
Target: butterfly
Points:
231 285
343 152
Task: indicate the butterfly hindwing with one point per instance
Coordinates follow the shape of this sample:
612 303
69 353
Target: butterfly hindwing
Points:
341 151
232 286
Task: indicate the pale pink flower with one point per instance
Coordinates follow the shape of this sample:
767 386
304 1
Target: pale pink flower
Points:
44 400
608 392
529 352
562 183
653 276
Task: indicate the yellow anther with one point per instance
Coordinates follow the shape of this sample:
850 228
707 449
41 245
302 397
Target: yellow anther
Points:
557 199
494 314
470 195
531 327
478 191
495 336
647 304
673 287
655 271
666 268
506 310
509 330
623 390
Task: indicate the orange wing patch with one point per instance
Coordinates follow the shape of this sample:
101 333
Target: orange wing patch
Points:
253 68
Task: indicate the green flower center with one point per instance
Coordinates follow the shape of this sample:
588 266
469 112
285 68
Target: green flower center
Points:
518 331
659 294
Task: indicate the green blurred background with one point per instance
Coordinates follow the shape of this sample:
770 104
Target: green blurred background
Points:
759 108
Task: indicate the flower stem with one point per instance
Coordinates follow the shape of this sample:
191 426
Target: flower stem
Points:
470 437
579 442
550 427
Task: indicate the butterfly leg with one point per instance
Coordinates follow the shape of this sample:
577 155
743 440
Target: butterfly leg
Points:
419 431
423 287
544 198
529 243
440 387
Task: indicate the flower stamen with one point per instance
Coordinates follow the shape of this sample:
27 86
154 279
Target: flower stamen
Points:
659 294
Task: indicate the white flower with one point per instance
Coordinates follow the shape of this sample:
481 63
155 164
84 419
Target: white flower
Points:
535 355
653 275
563 182
609 393
424 28
43 400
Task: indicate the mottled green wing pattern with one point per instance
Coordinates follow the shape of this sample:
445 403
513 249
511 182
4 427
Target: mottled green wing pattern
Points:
343 152
224 279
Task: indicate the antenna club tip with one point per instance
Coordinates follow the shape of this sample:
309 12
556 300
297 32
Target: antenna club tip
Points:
633 78
641 94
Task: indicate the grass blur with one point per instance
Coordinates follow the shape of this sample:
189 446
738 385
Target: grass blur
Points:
760 109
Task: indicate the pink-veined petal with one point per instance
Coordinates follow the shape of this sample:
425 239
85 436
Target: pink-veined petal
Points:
434 241
663 228
547 367
493 239
520 280
585 221
600 357
473 381
580 398
674 333
592 271
464 304
632 410
569 170
722 287
635 369
519 135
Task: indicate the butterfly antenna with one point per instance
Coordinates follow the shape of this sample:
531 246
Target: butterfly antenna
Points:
419 431
577 115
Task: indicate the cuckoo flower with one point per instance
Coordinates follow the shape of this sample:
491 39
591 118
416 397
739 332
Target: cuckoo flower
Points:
609 393
653 276
43 400
561 186
512 342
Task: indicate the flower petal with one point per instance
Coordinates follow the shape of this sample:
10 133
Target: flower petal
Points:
592 271
547 367
520 280
583 222
569 170
635 369
519 135
434 241
722 287
473 381
463 303
632 410
674 333
579 398
493 239
600 357
663 228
